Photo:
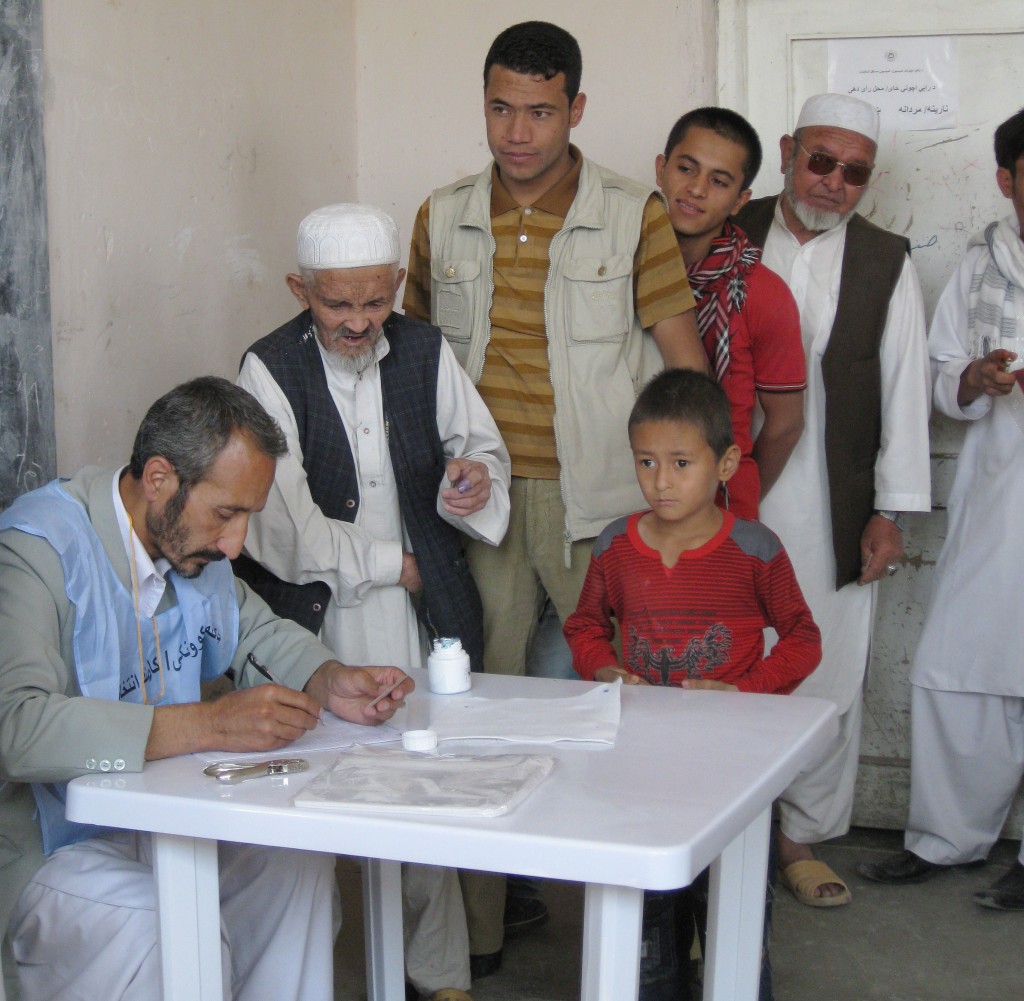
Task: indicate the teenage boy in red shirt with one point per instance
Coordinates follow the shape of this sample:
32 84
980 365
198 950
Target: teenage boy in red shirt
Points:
748 320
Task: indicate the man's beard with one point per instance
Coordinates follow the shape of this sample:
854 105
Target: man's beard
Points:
171 538
815 220
358 363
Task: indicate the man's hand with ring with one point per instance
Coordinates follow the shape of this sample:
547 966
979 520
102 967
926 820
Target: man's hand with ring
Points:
881 547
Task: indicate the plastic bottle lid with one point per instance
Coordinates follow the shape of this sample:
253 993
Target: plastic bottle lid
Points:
419 740
447 646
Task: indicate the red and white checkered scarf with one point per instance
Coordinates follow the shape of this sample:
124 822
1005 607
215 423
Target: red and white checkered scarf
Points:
719 284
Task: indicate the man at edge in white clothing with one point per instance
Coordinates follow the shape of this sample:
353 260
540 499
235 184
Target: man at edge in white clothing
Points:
967 694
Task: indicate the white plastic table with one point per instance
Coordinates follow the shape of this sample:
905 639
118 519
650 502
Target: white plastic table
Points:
689 783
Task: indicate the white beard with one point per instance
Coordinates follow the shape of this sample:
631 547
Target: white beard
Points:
815 220
354 364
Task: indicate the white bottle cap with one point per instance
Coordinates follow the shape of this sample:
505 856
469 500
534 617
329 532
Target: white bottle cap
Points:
447 646
419 740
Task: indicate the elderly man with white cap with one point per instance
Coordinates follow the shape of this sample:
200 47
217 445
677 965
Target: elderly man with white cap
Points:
392 458
863 459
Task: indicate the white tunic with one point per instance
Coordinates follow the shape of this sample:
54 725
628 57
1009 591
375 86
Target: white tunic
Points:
974 644
371 619
797 507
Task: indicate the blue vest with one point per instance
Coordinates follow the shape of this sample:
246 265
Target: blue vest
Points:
198 636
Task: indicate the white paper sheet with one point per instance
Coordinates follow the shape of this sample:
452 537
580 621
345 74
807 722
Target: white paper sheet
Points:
912 79
382 778
593 716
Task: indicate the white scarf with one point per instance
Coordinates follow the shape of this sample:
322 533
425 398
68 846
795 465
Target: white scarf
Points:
996 285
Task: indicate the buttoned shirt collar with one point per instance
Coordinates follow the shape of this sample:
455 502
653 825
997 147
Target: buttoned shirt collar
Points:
556 202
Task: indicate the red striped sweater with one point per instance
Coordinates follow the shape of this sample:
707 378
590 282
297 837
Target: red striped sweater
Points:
703 618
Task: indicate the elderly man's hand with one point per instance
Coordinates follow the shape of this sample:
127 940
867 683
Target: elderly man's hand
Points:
348 691
410 577
470 487
881 546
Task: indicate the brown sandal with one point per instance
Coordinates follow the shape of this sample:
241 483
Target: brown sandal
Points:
804 877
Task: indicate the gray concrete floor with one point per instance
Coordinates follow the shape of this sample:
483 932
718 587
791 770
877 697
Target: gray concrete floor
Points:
928 942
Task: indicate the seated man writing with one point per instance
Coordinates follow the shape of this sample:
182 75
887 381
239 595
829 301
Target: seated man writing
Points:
116 601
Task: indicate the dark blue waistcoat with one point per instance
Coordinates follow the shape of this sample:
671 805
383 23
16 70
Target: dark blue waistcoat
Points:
449 604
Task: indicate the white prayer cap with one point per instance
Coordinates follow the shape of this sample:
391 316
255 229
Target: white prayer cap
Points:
347 236
840 111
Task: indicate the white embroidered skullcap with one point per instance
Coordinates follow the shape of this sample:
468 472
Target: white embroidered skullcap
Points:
347 236
840 111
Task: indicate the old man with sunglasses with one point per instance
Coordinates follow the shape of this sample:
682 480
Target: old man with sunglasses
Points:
863 459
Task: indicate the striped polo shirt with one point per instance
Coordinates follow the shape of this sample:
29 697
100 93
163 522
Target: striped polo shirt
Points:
516 381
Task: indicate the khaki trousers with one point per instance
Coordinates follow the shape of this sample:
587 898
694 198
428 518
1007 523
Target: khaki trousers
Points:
514 579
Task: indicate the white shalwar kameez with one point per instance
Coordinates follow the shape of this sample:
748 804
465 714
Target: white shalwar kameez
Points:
968 695
818 804
371 620
105 887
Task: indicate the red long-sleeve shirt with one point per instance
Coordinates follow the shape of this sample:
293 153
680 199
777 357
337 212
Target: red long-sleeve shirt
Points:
703 618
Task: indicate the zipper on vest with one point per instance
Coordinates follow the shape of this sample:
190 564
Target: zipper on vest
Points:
562 482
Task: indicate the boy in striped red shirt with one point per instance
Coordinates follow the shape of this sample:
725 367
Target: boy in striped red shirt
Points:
691 586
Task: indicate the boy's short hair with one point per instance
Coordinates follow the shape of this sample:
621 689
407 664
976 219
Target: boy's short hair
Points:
727 124
1010 142
683 396
537 48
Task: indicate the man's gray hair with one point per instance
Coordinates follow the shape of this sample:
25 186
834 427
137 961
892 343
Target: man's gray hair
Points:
191 425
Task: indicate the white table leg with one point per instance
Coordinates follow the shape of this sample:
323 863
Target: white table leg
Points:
611 942
382 930
188 917
736 915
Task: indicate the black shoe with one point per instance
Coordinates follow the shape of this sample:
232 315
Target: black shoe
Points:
523 914
1006 893
484 965
906 867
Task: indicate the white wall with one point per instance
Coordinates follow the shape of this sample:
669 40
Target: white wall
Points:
420 93
184 141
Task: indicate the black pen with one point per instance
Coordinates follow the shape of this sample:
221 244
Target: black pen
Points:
265 671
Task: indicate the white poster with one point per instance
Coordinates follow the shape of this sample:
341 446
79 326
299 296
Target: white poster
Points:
912 81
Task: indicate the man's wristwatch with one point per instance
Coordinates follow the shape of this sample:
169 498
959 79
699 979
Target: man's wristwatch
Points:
896 517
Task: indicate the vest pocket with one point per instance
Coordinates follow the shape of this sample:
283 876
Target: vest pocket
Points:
600 299
453 285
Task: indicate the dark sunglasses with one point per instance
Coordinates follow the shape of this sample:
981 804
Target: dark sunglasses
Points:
857 174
